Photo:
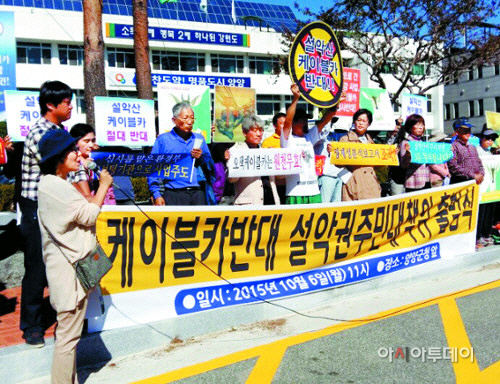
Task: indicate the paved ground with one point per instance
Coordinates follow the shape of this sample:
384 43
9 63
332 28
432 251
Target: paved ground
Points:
422 332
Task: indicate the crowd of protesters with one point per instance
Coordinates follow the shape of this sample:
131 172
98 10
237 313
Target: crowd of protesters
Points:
67 163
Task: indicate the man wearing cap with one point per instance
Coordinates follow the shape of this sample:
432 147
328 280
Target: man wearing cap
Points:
303 188
465 163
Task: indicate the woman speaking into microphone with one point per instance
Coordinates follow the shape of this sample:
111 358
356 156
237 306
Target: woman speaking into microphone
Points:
67 224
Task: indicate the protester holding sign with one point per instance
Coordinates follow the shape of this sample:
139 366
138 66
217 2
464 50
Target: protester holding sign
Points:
259 190
465 164
363 183
67 224
303 188
417 176
181 140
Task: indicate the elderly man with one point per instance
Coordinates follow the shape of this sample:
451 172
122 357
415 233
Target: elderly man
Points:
257 190
181 139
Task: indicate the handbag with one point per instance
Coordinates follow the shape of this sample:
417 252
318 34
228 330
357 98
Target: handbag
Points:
92 268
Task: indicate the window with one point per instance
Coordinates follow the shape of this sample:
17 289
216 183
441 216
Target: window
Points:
447 111
429 103
70 55
456 111
309 108
480 72
227 63
264 65
395 107
497 104
33 53
268 104
121 58
389 67
497 69
179 61
480 105
418 69
470 74
79 101
471 108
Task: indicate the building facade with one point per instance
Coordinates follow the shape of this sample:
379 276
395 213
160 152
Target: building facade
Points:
471 95
225 45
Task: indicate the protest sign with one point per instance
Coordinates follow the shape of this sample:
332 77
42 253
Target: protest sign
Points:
195 95
173 261
171 166
351 88
377 101
315 65
413 104
23 110
264 162
232 105
430 153
490 187
7 58
363 154
124 121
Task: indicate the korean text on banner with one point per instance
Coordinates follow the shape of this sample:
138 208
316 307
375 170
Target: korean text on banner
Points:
430 153
363 154
125 122
166 249
264 162
172 166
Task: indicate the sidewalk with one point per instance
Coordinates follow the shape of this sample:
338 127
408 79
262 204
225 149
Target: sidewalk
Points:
148 350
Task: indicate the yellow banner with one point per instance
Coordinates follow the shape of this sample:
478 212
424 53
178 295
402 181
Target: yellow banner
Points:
363 154
154 249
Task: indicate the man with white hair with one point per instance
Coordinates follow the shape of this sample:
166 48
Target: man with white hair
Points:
180 140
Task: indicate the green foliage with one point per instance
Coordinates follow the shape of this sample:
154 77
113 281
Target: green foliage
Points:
141 188
6 197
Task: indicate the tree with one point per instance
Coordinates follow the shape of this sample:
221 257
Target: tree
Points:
422 44
141 49
93 69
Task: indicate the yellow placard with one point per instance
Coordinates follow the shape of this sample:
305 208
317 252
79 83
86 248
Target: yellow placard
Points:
363 154
168 248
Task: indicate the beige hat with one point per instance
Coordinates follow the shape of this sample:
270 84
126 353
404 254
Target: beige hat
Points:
438 137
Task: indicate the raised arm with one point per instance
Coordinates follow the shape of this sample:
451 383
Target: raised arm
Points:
329 114
290 112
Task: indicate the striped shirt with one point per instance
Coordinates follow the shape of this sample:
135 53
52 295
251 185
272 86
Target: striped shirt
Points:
30 169
465 163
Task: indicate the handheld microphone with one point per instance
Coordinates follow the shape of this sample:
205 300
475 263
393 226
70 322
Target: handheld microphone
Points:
94 167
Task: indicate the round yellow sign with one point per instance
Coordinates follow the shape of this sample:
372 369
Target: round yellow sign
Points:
316 65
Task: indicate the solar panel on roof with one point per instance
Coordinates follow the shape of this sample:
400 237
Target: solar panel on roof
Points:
219 11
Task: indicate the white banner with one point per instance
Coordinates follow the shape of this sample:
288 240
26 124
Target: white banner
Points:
124 121
23 110
264 162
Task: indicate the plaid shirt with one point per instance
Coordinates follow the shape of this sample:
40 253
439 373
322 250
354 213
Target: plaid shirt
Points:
31 157
465 162
417 175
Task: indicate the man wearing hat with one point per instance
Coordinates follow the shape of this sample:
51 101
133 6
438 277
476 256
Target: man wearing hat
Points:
465 164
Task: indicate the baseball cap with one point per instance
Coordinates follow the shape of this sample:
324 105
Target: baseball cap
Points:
462 122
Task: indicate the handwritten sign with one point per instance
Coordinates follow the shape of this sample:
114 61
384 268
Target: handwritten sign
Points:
123 121
363 154
173 166
351 89
413 104
430 153
264 162
316 65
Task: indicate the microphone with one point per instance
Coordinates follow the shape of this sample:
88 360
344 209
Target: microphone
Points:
94 167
